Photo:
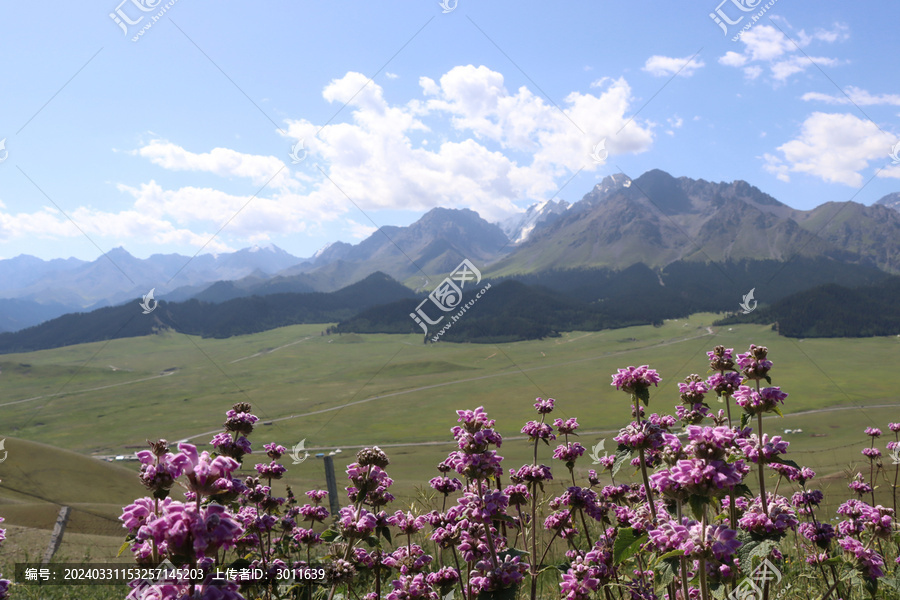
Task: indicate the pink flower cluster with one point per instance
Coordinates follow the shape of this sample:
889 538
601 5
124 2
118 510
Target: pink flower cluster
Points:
632 379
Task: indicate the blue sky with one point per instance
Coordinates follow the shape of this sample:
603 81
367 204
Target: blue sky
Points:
181 140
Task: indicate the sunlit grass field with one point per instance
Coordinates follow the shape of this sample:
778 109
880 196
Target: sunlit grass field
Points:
62 406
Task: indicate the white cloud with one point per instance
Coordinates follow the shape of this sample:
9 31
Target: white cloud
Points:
223 162
468 143
674 123
390 75
765 43
855 95
753 71
765 46
838 33
661 66
359 231
518 143
783 69
128 224
733 59
832 147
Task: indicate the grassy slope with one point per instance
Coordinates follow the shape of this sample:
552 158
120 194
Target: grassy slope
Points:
322 372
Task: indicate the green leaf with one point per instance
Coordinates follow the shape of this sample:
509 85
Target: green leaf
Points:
672 554
697 504
768 379
643 395
718 590
562 567
745 418
627 544
891 582
122 549
504 594
777 411
623 455
385 532
239 563
330 535
763 549
742 489
665 574
511 552
871 586
785 461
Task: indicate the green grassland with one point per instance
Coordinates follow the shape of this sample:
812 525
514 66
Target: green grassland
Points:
61 406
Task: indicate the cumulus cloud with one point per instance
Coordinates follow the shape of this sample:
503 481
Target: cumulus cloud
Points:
219 161
765 46
497 147
466 142
834 148
661 66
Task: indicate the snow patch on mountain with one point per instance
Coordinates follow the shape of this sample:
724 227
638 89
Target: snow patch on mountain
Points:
519 227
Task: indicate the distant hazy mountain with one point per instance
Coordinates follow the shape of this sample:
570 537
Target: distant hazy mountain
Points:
238 316
18 314
431 247
891 201
654 220
254 285
118 276
24 270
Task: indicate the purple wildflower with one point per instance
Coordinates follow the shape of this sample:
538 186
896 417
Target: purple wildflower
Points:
544 407
867 561
633 379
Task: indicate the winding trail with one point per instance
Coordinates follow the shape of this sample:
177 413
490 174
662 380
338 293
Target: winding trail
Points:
264 352
102 387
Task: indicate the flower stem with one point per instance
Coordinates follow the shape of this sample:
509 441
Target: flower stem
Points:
683 559
704 587
762 472
647 486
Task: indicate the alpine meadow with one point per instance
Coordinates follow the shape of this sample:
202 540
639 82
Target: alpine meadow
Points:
450 301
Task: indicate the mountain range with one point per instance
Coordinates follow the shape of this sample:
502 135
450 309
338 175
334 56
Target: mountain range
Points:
655 220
